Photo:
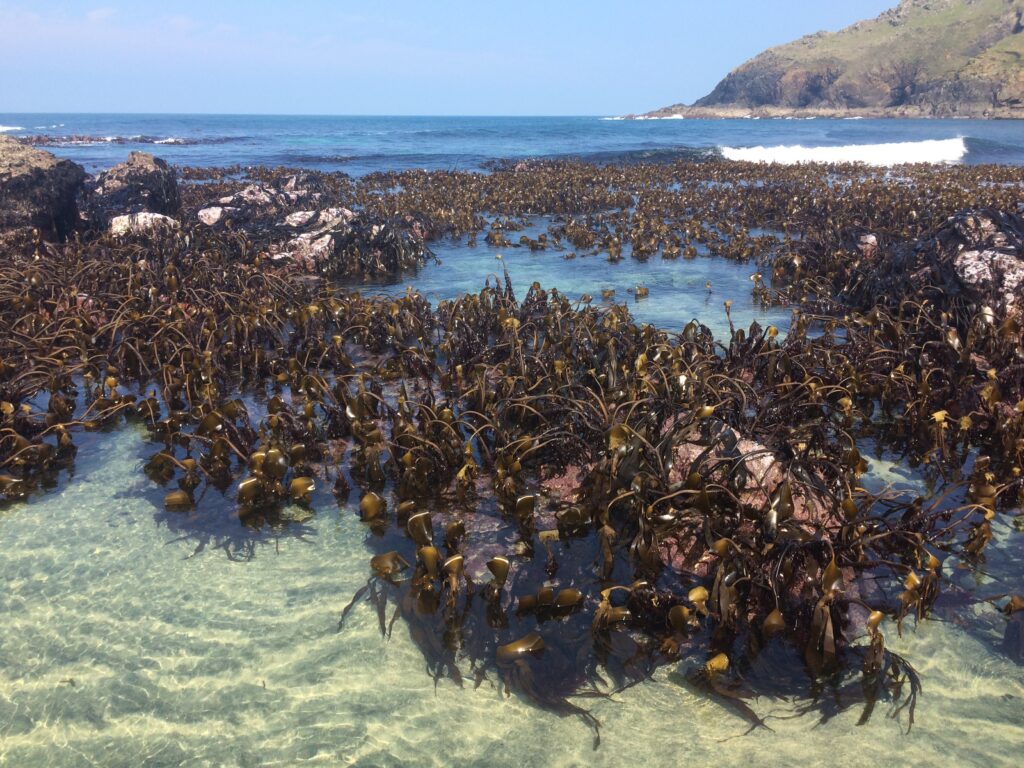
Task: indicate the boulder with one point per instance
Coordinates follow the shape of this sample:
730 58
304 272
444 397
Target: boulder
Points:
213 214
141 184
976 256
144 223
315 245
257 207
37 192
989 258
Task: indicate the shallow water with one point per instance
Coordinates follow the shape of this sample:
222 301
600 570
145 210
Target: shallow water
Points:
120 646
678 287
133 636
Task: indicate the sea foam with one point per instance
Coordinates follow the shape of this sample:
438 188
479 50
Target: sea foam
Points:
896 153
5 128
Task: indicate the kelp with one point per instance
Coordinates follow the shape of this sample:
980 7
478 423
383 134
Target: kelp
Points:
562 500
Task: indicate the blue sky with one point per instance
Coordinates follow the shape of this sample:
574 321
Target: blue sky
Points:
530 57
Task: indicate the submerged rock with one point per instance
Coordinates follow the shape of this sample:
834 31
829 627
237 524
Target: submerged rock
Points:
37 192
143 183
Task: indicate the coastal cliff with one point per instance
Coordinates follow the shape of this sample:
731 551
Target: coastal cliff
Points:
923 58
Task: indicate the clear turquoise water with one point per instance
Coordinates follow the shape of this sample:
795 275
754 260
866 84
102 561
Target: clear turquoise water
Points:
132 636
678 291
122 647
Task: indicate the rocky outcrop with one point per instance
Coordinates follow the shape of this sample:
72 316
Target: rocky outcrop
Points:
314 244
923 58
289 218
142 184
990 260
259 203
37 194
338 243
976 257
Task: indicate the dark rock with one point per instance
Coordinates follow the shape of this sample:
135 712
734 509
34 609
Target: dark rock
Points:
142 184
976 257
37 192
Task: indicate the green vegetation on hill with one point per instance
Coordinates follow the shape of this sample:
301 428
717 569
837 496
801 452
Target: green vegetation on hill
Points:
924 57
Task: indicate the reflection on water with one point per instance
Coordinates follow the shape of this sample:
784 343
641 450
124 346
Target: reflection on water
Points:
130 638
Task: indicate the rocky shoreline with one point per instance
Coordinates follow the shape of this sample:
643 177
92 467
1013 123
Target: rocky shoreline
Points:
922 59
290 215
910 112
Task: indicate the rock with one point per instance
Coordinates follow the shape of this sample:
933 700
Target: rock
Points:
868 245
257 207
299 218
214 214
143 223
761 473
977 255
992 272
328 218
256 195
37 191
141 184
313 247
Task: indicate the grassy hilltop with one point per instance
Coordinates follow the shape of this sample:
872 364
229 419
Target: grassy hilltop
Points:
934 58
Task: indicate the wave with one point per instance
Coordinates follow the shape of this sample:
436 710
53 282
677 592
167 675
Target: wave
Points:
5 128
938 151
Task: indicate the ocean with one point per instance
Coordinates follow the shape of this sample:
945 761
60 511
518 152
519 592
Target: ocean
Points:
360 145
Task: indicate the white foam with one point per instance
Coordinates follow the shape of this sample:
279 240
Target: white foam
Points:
170 140
5 128
896 153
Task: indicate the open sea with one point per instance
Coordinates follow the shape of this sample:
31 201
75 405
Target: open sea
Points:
128 638
359 145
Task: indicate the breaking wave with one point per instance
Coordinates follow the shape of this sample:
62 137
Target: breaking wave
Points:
931 151
5 128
